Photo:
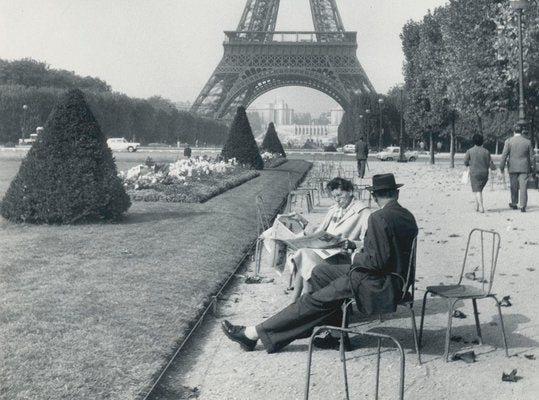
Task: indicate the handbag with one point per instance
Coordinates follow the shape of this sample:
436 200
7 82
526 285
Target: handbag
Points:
465 177
532 182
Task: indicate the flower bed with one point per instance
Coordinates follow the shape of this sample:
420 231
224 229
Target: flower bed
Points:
184 181
272 160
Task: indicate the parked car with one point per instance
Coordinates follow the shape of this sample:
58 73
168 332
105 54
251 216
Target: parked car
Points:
349 148
330 148
393 153
121 144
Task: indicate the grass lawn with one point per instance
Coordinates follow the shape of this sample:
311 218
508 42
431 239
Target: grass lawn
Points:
94 311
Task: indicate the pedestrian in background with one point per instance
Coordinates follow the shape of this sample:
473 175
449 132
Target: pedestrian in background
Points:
518 155
479 161
362 153
187 151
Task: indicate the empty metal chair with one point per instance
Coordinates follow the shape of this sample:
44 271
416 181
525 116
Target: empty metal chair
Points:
348 331
480 278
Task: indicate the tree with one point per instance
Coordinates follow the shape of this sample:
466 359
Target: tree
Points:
241 143
477 79
271 141
69 174
427 106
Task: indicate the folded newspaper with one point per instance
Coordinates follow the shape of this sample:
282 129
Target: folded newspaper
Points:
317 240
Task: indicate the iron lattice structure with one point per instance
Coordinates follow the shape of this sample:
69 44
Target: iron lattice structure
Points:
258 59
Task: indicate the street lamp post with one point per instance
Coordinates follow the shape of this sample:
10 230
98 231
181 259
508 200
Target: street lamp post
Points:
519 6
23 125
380 101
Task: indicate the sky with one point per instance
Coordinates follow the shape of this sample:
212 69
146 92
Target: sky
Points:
170 48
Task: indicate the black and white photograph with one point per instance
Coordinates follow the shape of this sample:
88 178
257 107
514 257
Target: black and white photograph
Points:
172 173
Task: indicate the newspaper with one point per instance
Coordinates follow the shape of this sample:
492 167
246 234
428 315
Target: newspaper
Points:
285 227
317 240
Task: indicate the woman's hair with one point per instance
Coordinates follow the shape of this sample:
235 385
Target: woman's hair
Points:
477 139
340 183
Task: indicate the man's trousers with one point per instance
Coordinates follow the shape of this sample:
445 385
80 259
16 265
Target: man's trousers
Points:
331 286
518 182
361 164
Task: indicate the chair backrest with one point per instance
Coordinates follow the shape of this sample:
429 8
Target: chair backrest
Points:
409 283
262 219
481 258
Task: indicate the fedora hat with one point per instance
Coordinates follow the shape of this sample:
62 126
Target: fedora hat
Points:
383 182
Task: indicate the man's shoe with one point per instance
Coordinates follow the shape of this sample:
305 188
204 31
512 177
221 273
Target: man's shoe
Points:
236 333
324 340
513 206
523 209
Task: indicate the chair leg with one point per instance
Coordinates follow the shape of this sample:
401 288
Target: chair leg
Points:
258 255
378 368
501 324
344 368
477 325
451 304
422 318
309 202
414 332
309 362
344 325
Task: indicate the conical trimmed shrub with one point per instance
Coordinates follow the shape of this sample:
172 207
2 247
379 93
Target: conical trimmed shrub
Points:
271 141
241 143
69 174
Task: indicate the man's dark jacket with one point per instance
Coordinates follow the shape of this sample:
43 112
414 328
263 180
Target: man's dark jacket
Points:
388 242
362 150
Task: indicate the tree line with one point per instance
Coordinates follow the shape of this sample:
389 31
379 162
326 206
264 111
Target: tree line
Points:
35 85
461 77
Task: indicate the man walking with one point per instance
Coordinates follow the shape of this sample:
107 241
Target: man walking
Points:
518 155
387 249
187 151
362 153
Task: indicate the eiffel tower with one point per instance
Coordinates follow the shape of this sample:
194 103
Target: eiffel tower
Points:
258 59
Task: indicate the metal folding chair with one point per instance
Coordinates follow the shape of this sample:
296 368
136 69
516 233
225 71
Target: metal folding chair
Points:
363 193
295 193
379 337
406 300
480 287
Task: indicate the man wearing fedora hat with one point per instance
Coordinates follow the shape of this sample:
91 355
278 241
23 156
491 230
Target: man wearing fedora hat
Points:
391 231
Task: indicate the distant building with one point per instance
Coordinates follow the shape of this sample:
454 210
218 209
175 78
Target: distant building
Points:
299 134
278 112
283 116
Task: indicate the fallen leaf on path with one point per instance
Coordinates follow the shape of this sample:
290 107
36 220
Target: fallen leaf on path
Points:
530 356
454 235
459 314
511 377
470 276
530 269
506 301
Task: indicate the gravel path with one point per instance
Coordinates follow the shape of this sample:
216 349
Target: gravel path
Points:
212 367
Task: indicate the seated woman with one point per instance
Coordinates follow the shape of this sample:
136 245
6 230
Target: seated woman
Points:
346 218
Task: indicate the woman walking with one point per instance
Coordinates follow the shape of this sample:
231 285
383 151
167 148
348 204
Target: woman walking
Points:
479 161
